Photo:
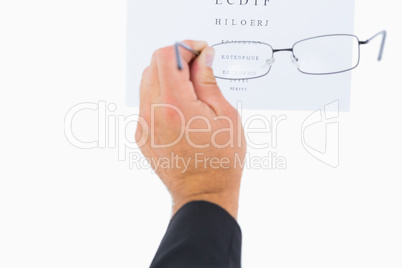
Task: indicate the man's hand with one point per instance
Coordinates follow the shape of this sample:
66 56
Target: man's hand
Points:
192 136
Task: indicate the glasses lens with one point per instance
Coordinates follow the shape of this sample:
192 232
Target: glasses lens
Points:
242 60
327 54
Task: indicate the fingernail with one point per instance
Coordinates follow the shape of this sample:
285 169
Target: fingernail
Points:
210 56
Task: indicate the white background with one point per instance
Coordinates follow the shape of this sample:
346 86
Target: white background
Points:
61 206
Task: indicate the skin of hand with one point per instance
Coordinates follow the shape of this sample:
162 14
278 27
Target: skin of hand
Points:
183 113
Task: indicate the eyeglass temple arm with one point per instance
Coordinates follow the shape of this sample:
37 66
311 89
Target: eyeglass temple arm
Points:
178 57
384 37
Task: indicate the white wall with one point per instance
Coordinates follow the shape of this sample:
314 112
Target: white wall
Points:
61 206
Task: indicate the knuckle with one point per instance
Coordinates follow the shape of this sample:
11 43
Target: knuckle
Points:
169 99
156 53
188 42
163 53
146 72
145 76
210 81
171 112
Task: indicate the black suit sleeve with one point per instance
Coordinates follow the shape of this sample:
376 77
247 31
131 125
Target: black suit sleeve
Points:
200 235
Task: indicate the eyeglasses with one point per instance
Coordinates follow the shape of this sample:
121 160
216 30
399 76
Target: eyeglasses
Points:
319 55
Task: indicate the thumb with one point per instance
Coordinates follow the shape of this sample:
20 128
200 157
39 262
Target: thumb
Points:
204 81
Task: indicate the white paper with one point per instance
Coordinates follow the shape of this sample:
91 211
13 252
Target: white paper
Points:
280 23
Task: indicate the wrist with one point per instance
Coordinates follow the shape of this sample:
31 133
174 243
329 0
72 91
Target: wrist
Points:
229 201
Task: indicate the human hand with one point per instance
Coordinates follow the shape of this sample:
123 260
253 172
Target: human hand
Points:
190 134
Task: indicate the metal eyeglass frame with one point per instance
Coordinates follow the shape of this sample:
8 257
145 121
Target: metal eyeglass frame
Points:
383 33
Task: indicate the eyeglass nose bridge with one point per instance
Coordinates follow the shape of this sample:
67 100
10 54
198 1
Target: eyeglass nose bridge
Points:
293 58
283 49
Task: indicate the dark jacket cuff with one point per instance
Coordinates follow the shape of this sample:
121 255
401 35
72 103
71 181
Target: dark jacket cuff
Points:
201 234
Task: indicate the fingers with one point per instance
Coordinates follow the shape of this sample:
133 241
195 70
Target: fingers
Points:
204 82
163 78
175 83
